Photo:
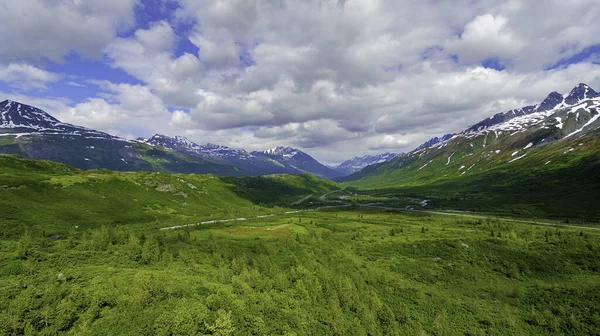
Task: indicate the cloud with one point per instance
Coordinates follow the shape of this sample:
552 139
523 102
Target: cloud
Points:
26 76
119 109
148 56
341 78
34 30
487 36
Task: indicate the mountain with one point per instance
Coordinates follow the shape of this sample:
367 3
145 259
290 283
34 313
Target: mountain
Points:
357 163
28 131
436 140
280 160
297 160
533 143
20 119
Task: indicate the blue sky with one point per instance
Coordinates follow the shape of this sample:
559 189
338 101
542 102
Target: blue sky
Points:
334 78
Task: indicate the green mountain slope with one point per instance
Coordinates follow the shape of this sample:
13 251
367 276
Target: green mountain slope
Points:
539 164
568 187
113 154
44 195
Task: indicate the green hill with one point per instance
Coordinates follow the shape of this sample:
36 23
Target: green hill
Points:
500 175
51 197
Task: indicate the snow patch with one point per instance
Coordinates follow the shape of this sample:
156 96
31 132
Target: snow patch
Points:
517 158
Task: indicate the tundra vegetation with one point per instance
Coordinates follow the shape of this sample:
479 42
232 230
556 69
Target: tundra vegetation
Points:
82 253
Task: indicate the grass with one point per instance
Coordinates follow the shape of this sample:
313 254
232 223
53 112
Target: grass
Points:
81 253
566 188
343 272
89 199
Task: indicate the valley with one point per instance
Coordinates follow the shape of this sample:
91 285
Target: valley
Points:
491 231
152 253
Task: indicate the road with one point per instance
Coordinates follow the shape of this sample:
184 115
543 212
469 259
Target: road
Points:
481 217
322 198
375 206
298 202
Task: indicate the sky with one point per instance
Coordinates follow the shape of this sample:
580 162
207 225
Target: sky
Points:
335 78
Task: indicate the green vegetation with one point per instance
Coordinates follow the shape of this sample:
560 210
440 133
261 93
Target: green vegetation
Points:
44 195
91 153
559 181
323 273
82 253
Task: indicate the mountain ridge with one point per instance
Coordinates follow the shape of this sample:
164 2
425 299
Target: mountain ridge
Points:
357 163
501 139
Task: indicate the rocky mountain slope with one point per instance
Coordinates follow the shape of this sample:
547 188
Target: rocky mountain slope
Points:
279 160
29 131
501 140
357 163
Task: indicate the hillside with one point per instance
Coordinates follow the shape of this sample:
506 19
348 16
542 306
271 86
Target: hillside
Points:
28 131
83 253
63 196
540 156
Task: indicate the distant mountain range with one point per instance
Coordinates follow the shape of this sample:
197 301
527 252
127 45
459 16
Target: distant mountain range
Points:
357 163
502 139
533 134
29 131
279 160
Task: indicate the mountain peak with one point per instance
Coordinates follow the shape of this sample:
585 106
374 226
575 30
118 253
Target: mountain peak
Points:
178 143
19 115
579 93
281 150
436 140
357 163
551 101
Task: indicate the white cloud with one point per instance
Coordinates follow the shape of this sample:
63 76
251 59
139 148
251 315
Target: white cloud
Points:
339 77
26 76
40 29
121 109
148 56
487 36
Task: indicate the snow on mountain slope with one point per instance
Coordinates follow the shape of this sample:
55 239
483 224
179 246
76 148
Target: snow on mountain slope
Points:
581 101
357 163
297 159
183 144
286 152
22 119
560 118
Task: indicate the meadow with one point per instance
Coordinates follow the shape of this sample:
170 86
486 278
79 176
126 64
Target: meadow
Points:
88 259
351 272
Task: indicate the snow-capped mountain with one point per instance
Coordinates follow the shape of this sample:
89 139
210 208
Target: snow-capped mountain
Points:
286 152
298 160
183 144
581 100
29 131
21 119
436 140
357 163
505 138
552 102
177 143
279 160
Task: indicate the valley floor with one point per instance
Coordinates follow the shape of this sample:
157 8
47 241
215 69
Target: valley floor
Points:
334 271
